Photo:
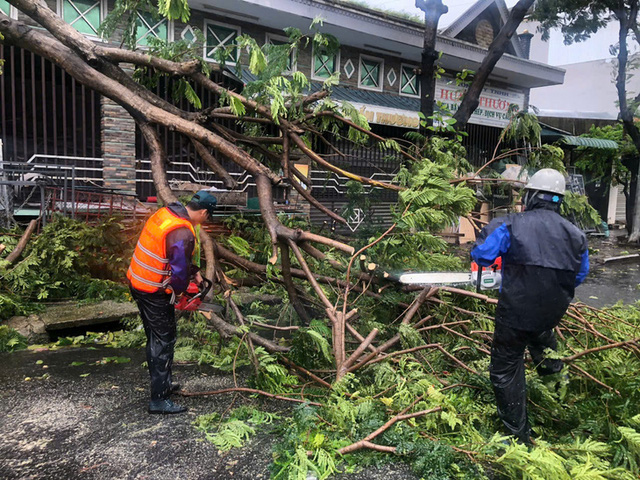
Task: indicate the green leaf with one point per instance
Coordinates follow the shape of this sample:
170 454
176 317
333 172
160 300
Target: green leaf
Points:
237 107
257 61
239 246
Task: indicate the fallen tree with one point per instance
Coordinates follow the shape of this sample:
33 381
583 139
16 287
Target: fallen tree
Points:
284 123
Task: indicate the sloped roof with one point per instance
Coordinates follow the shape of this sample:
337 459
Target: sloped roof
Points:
473 12
356 95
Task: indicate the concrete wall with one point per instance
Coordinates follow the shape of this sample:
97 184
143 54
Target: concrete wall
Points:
589 91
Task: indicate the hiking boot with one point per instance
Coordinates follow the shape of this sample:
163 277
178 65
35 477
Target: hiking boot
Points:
165 406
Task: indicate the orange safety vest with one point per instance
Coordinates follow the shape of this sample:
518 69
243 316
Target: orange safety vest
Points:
149 269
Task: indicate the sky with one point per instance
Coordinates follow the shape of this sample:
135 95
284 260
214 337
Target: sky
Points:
559 54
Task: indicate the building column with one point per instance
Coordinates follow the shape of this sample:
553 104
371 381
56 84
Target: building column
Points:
118 135
612 209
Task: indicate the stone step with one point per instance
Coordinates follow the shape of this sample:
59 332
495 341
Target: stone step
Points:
65 315
70 314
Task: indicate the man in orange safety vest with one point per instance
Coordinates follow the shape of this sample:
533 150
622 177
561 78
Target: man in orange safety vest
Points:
160 269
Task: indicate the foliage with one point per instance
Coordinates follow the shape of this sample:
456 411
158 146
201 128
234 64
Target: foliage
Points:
433 203
67 259
608 165
124 16
234 431
547 156
576 19
574 439
576 208
523 127
10 340
310 346
523 131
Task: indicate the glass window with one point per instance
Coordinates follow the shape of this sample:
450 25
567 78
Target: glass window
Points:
83 15
148 27
5 7
188 35
221 37
324 65
409 84
370 73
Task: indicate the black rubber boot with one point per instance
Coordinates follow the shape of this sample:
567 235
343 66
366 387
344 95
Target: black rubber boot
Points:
165 406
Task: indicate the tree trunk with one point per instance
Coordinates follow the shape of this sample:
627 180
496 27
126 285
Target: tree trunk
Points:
630 194
433 10
634 235
496 50
627 18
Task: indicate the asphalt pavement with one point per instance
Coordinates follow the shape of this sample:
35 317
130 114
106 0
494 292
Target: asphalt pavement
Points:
66 414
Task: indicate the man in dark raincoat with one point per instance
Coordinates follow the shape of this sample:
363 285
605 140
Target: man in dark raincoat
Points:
544 257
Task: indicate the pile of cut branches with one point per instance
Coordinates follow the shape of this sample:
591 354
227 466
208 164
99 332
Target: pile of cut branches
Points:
68 259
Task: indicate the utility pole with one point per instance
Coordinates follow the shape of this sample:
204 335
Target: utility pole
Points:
433 10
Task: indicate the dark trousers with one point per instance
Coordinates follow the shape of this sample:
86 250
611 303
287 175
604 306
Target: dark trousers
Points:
507 373
159 320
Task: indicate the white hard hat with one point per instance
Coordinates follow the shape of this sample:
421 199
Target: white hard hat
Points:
547 180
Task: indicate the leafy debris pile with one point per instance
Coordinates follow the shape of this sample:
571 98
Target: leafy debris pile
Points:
68 259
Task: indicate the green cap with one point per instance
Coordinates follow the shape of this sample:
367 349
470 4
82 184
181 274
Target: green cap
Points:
204 199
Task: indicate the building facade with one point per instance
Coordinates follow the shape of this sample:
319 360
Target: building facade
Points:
49 117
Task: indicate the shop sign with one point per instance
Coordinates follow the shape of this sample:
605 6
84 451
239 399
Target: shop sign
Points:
495 104
389 116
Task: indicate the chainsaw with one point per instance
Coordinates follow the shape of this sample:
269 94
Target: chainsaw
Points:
484 278
192 299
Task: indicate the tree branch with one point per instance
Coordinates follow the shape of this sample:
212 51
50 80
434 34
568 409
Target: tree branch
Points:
247 390
496 50
365 442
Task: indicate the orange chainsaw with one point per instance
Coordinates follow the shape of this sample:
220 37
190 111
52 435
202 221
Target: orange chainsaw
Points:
192 299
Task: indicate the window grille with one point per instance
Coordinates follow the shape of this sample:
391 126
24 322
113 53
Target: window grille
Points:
83 15
221 37
5 7
409 84
44 111
188 35
324 64
370 73
147 27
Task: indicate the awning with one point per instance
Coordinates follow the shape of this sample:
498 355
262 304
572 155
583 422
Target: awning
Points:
552 135
589 142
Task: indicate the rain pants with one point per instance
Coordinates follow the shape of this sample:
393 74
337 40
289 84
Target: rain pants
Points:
159 321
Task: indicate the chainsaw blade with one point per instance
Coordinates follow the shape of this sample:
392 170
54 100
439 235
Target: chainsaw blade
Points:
436 278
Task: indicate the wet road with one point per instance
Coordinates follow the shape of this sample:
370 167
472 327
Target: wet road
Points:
89 421
608 284
611 282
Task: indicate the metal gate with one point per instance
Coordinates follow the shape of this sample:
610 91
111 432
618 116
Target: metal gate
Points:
46 112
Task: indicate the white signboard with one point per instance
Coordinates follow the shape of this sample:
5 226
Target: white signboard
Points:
493 106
